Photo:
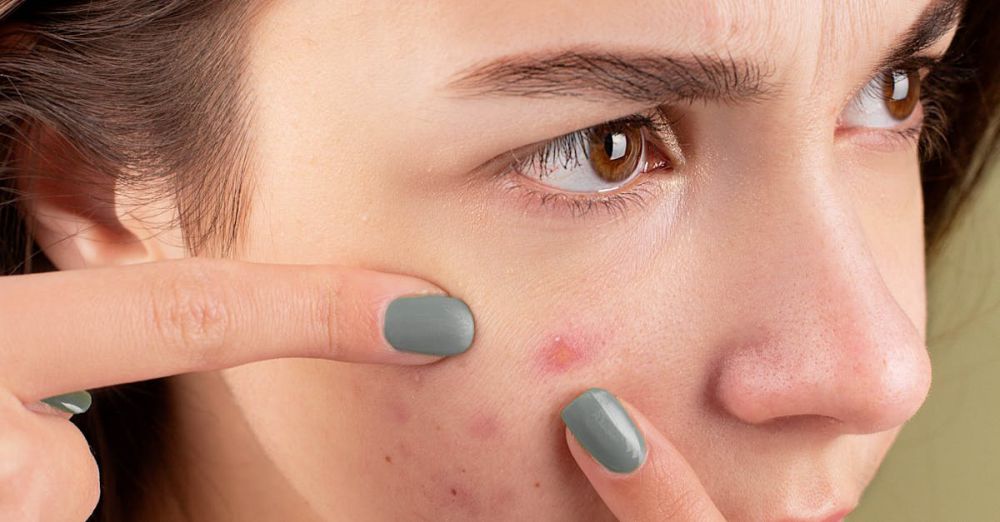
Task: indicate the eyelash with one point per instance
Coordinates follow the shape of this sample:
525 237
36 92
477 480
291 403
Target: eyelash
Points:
937 85
656 127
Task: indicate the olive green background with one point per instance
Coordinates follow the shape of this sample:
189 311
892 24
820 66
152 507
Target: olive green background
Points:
945 465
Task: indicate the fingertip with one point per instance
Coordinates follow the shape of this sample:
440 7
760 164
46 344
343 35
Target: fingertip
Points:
429 325
599 424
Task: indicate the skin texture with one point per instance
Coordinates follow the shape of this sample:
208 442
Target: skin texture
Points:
766 312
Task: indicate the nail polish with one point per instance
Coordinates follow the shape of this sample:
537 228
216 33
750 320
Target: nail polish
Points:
432 325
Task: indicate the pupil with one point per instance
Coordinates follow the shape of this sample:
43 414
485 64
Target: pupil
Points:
614 145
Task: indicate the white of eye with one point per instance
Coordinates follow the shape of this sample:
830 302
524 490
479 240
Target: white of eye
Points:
868 108
575 173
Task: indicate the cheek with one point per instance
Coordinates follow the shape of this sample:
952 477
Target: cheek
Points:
562 353
481 433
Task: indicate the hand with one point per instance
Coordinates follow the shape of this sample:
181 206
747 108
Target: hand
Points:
74 330
635 470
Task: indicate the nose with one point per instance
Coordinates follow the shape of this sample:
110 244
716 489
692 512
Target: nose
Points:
820 332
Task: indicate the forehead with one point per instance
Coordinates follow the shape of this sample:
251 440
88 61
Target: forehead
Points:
748 27
803 42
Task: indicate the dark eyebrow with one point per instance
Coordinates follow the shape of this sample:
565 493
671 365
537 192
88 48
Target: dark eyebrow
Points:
643 78
937 19
652 79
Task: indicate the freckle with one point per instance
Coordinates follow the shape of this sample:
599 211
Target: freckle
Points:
388 459
484 427
538 484
462 470
454 492
560 355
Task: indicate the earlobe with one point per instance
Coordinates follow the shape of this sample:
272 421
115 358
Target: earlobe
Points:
76 215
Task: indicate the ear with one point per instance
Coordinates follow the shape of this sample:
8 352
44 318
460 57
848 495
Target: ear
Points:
81 218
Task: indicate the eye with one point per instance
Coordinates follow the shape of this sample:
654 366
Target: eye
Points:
602 158
888 100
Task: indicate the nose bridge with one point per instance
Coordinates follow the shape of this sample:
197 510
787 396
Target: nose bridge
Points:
826 336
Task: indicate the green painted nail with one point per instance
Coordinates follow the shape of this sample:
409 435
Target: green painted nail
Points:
75 403
432 324
605 430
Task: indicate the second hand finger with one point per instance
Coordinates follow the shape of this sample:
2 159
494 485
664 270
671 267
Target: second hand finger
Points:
633 467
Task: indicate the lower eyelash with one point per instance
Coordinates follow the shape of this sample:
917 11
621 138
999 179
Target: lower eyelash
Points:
909 135
617 204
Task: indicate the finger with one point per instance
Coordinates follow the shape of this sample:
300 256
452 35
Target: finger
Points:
67 331
47 471
635 470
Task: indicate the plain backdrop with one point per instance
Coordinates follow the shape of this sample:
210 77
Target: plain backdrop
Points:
945 465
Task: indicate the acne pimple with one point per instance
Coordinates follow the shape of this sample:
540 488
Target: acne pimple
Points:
560 354
484 427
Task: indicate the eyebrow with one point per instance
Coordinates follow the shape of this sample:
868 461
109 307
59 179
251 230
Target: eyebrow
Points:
655 79
642 78
934 22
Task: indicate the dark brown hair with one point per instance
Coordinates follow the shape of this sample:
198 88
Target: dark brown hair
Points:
139 93
151 94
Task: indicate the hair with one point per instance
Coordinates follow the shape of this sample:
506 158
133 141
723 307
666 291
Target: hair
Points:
143 94
153 94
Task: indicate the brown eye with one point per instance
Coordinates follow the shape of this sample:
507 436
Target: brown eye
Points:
602 158
901 92
615 151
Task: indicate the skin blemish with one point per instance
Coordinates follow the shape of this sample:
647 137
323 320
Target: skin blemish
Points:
454 492
400 412
388 459
561 354
484 427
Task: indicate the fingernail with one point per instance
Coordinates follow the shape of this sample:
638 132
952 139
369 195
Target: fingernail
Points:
75 403
603 427
431 324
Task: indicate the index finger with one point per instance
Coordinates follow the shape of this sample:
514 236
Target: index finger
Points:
66 331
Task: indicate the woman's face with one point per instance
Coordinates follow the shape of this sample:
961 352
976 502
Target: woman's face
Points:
754 283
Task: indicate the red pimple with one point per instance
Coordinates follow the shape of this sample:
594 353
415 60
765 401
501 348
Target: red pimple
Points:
560 355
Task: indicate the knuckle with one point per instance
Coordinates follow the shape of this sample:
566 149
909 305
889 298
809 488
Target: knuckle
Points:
191 310
683 505
679 505
677 501
328 307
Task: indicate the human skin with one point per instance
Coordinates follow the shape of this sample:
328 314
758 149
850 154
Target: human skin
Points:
766 311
